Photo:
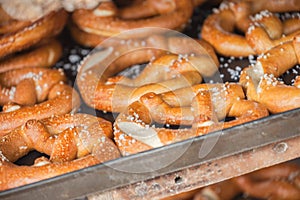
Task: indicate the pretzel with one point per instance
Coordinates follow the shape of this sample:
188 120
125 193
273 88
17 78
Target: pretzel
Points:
10 25
72 142
104 20
267 31
46 95
280 181
113 94
201 107
218 27
148 8
276 182
45 27
44 55
84 38
225 190
260 81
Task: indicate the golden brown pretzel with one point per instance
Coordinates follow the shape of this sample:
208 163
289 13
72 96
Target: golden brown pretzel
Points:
133 131
47 136
47 89
105 21
114 94
37 81
260 81
44 55
218 27
267 31
72 142
46 27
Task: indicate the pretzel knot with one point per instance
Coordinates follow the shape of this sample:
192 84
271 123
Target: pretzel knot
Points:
71 141
266 31
107 20
166 73
218 28
46 95
27 34
260 80
200 107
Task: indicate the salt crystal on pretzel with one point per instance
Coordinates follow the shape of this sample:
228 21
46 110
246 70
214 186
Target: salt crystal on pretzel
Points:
134 133
48 96
267 31
100 92
218 28
72 142
260 80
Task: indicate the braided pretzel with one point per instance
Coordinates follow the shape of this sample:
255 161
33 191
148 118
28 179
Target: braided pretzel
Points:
166 73
266 31
43 86
72 142
104 20
47 26
201 106
260 80
44 55
218 27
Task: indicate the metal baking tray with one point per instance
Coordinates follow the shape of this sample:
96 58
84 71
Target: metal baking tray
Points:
178 167
149 175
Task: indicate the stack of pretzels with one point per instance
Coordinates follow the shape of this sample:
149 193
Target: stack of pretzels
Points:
168 101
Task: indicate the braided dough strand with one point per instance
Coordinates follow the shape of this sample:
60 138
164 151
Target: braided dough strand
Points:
163 74
267 31
72 142
134 133
260 81
62 137
37 81
61 99
218 28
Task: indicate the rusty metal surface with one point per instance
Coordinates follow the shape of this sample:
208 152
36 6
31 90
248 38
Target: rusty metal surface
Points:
238 150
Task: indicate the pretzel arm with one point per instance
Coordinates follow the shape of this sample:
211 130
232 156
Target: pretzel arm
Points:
47 26
45 55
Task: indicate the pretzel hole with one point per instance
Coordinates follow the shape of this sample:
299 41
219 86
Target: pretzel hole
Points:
289 76
30 158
